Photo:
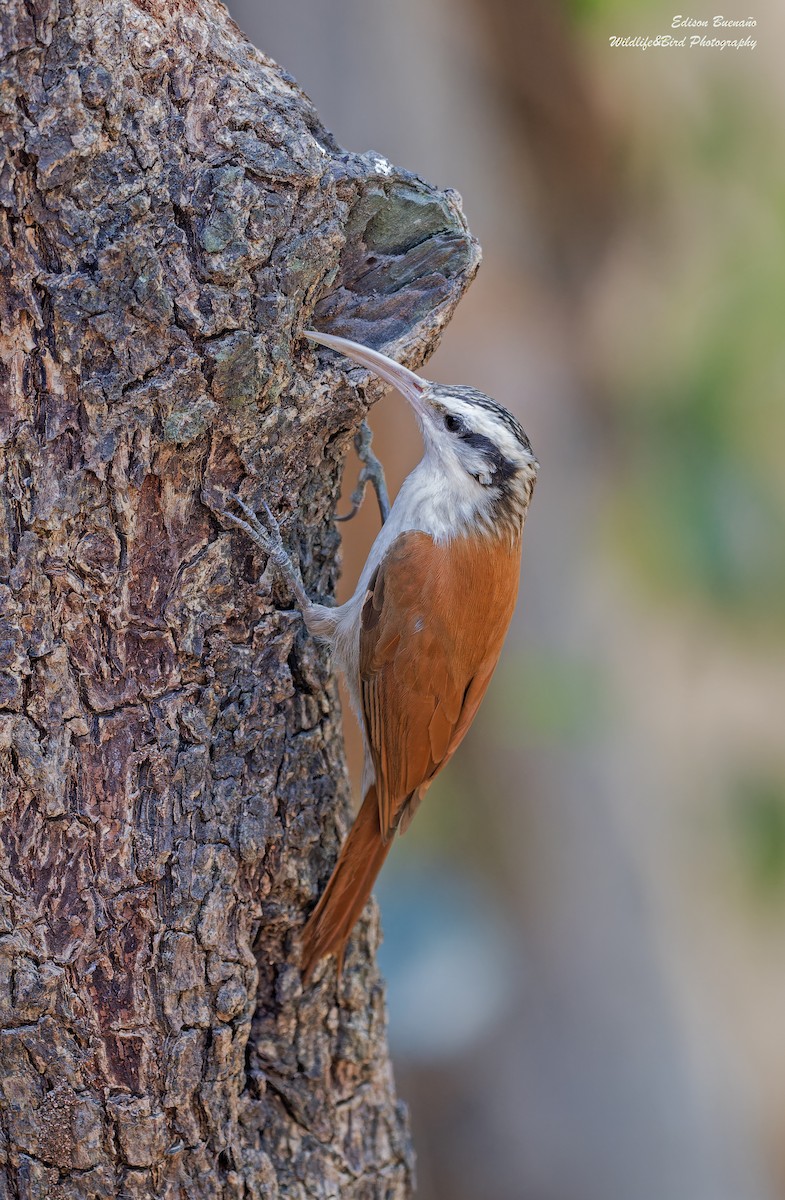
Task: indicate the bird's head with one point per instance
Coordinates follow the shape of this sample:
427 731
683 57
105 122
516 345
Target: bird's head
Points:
477 443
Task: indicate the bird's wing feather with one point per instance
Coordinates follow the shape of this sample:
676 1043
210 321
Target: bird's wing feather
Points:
433 623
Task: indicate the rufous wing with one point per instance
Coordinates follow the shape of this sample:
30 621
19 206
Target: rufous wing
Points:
432 628
433 623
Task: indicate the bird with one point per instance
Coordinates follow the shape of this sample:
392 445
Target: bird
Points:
420 637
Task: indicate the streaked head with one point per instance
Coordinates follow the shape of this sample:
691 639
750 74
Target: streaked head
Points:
472 435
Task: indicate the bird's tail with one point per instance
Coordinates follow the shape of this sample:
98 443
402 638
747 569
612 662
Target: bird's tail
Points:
360 861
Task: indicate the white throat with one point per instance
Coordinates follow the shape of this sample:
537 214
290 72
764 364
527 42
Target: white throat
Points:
436 498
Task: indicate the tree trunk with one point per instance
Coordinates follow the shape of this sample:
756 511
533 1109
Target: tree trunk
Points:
173 785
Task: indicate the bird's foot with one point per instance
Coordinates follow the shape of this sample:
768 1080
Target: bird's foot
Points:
267 535
372 472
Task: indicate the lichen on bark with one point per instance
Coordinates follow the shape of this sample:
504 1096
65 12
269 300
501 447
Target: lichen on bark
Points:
173 792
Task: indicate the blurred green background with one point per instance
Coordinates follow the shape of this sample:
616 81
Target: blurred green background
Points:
585 927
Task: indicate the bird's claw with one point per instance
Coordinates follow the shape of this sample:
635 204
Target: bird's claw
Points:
372 472
267 536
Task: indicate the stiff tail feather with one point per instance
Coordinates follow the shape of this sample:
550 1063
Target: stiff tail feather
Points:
360 861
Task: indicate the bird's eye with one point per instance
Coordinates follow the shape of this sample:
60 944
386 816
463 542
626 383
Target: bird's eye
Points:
453 423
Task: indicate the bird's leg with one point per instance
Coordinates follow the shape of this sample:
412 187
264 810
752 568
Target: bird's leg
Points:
372 472
268 537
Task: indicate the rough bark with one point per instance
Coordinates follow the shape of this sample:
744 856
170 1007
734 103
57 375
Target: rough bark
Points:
173 786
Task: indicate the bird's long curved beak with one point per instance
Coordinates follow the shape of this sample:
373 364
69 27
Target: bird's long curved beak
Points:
411 386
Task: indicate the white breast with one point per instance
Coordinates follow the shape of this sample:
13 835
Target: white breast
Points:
430 500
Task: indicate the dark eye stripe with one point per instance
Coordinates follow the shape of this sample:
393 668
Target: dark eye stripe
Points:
501 469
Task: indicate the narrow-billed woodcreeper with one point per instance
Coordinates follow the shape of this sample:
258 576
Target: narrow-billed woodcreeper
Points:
419 639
